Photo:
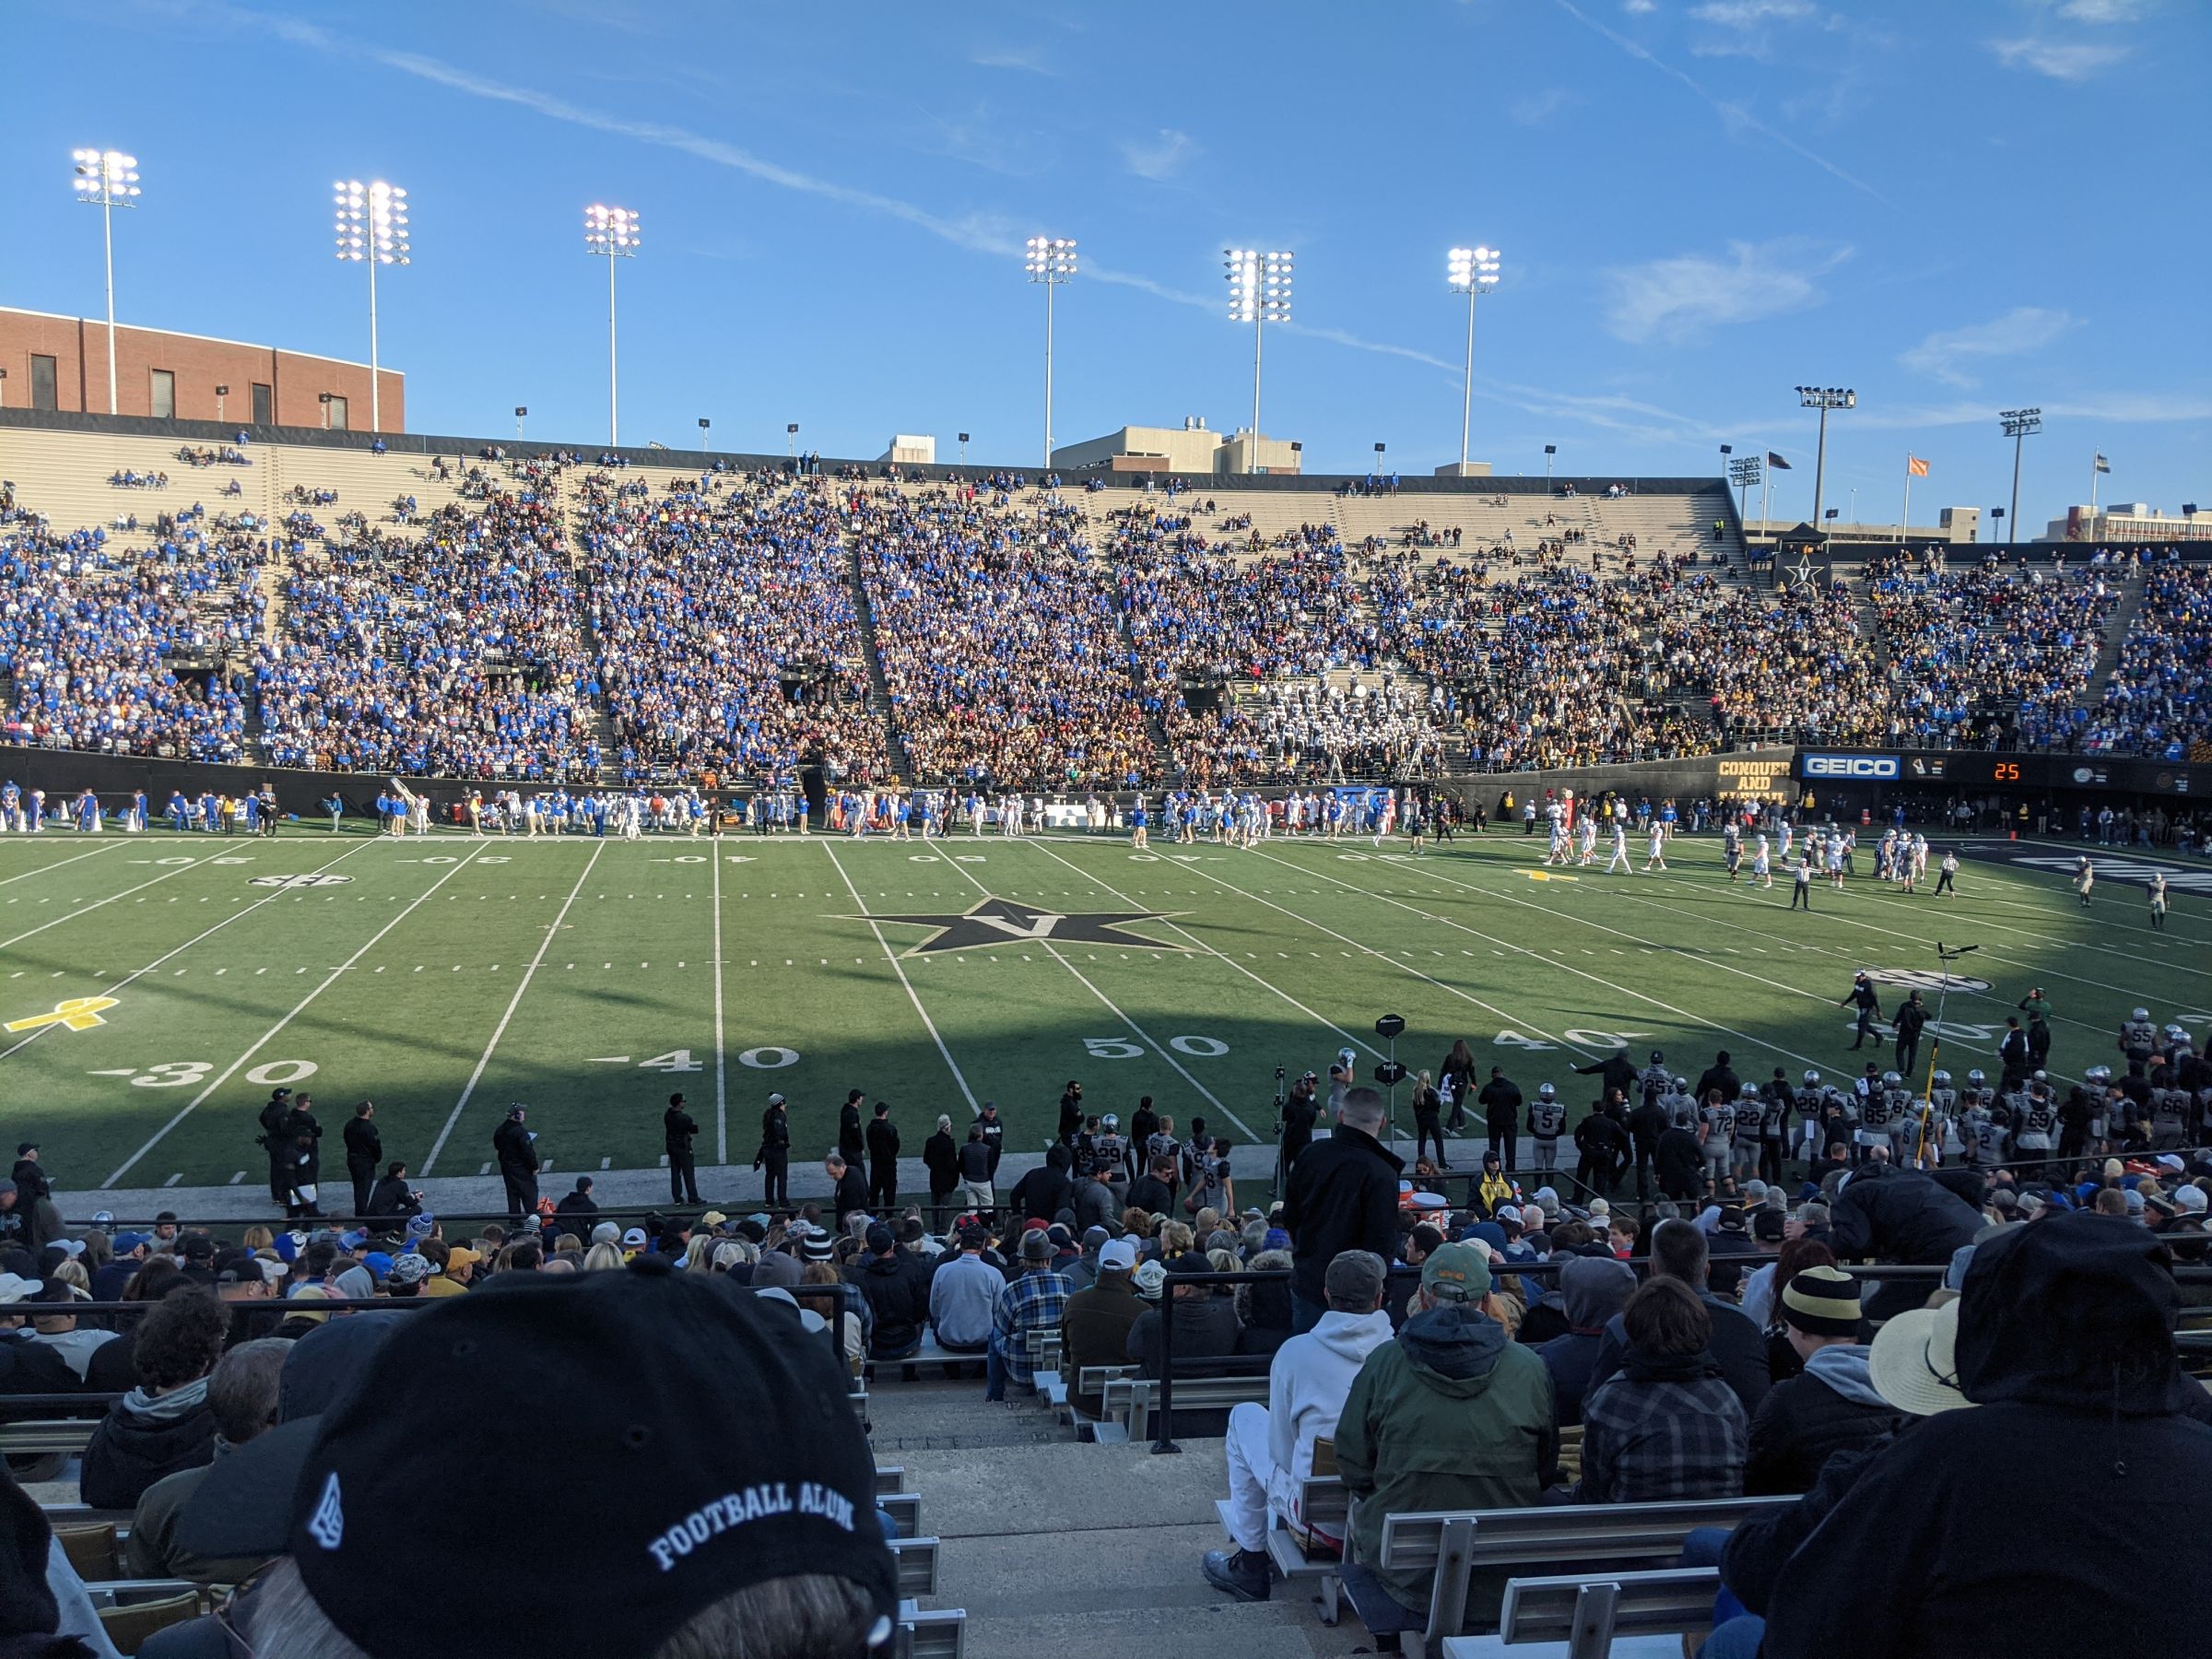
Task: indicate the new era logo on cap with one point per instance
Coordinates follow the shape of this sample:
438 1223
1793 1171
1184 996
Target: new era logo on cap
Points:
328 1524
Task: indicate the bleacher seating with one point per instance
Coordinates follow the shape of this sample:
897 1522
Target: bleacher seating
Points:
648 623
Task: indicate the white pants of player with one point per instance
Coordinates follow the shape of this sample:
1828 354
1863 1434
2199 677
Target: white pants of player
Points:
1251 1467
1547 1153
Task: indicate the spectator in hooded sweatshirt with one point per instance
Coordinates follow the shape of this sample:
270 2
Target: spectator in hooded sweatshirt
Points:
1592 1289
1452 1413
1271 1446
1832 1404
2064 1505
165 1424
1666 1426
895 1285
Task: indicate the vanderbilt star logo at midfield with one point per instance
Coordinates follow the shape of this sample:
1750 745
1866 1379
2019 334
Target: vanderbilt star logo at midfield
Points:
1009 921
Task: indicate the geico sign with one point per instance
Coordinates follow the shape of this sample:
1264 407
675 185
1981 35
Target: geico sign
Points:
1850 766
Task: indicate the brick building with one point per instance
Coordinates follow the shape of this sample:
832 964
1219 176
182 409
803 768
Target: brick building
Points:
56 362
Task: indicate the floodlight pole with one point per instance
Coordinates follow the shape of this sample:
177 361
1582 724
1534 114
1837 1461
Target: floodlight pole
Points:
2020 425
108 180
1824 398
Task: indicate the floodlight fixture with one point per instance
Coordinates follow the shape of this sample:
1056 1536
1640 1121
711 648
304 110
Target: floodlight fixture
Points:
370 226
106 179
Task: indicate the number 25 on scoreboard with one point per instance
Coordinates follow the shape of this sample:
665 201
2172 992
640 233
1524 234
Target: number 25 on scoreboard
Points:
2008 771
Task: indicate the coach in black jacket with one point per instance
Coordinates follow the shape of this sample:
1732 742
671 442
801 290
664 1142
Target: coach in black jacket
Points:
1343 1196
678 1128
364 1151
1615 1069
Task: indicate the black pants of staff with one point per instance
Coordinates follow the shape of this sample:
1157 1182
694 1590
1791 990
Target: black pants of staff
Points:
1865 1030
363 1176
1427 1126
1943 883
1908 1052
280 1180
1770 1161
1506 1144
1801 896
522 1195
775 1173
683 1178
1596 1173
883 1185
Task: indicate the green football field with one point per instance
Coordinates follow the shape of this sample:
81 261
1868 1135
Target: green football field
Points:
156 987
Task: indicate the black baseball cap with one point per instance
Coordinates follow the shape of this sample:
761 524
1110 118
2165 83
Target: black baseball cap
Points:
609 1368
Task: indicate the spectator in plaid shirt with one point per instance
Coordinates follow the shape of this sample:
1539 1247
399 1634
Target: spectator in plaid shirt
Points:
1666 1425
1032 1302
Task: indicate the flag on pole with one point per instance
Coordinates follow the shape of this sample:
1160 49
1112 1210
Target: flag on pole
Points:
1916 466
1776 462
2103 465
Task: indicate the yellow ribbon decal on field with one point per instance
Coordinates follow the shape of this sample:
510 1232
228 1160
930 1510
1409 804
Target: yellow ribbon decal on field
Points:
78 1013
1547 875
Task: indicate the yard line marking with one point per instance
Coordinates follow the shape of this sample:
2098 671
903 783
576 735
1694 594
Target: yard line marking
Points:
1159 1049
891 957
1682 1014
1187 932
516 1002
1384 958
722 1059
141 973
237 1178
1832 915
86 909
58 862
270 1035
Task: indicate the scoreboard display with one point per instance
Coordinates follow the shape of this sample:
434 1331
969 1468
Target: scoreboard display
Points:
2003 771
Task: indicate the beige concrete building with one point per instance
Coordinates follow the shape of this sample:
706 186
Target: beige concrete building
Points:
1194 448
2119 523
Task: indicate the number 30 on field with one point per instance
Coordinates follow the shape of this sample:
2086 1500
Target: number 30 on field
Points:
176 1074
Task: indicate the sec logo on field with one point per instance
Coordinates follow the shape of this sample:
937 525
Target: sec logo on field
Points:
1923 979
299 881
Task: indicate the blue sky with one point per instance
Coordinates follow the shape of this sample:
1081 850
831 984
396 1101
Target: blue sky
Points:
1953 209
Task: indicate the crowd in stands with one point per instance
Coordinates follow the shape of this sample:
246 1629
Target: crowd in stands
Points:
2159 699
107 648
999 636
724 624
724 617
458 653
1981 651
1515 1350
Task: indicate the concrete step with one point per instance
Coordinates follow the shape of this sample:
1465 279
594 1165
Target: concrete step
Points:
1159 1623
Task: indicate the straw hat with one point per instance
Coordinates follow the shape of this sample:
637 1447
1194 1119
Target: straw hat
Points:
1913 1362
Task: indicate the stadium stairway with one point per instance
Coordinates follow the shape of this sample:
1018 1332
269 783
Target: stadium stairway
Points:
1053 1546
879 688
2127 605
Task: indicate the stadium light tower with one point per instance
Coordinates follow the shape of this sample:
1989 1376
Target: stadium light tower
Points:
1824 398
612 232
1259 293
106 179
1050 261
372 230
2019 426
1472 272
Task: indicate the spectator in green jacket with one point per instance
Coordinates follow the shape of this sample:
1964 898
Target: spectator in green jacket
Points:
1451 1415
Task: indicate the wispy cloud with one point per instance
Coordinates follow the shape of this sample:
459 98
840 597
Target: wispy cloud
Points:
2061 59
2121 408
1160 158
1026 60
1536 108
2101 11
1734 114
1949 353
1638 8
1689 295
988 233
1743 14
